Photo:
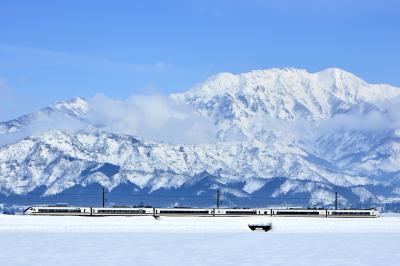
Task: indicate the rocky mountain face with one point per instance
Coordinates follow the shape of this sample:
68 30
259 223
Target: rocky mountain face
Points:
284 136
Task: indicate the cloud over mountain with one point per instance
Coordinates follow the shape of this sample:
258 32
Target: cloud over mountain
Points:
279 132
153 117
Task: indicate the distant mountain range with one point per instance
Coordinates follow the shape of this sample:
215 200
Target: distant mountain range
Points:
283 136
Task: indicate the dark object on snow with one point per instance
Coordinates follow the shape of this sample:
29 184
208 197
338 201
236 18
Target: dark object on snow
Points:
265 227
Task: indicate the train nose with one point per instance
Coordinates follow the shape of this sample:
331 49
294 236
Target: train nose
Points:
28 211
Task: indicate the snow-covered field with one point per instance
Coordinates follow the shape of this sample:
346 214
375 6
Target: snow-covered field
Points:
28 240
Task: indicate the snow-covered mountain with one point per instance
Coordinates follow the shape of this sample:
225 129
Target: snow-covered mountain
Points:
74 109
286 94
283 134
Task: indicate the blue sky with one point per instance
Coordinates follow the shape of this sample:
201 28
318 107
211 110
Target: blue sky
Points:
56 50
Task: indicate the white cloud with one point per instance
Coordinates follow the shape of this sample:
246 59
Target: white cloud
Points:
56 121
374 120
151 116
357 121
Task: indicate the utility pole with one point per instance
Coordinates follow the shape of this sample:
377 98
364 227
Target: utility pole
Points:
336 202
104 196
218 197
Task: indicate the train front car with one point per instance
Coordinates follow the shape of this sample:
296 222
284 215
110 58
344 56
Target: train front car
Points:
122 211
369 213
57 211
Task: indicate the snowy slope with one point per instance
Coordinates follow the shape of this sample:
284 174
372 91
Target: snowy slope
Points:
286 94
280 133
74 109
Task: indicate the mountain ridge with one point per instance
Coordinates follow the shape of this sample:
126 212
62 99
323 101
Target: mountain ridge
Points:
270 126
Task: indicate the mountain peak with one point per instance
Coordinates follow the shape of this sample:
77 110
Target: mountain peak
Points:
285 94
77 106
226 82
269 141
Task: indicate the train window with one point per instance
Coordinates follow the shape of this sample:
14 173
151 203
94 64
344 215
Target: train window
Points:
351 213
183 212
241 212
121 211
58 210
296 213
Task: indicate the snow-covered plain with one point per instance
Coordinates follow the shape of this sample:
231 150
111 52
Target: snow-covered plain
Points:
28 240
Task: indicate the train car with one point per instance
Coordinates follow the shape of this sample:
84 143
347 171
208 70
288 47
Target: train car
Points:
240 212
299 212
58 210
369 213
183 212
122 211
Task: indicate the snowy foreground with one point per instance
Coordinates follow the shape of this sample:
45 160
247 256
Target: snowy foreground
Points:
29 240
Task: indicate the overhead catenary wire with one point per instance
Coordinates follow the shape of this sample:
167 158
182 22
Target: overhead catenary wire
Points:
149 196
172 196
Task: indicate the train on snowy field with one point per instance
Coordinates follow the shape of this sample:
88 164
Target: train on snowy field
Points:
211 212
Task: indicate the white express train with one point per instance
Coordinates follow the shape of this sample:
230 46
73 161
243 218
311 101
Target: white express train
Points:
149 211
